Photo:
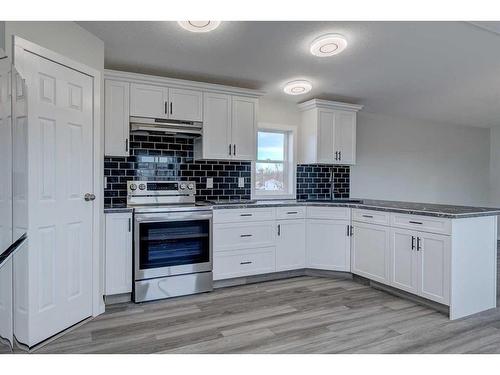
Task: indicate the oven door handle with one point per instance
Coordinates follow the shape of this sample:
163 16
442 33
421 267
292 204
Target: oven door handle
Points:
153 218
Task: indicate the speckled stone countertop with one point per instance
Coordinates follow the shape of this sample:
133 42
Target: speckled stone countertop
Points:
412 208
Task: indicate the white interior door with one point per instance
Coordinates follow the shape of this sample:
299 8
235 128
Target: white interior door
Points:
60 233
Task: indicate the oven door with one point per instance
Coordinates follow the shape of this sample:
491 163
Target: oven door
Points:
173 243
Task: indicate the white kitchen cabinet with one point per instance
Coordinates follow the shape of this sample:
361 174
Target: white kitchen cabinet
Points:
116 118
186 105
328 244
229 128
370 256
420 264
291 244
149 101
118 253
327 132
243 127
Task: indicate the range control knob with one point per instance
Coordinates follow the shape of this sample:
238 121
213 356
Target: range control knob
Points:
133 186
191 186
183 186
142 186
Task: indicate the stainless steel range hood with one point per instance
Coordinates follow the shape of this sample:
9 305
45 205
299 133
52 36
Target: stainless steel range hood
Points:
165 126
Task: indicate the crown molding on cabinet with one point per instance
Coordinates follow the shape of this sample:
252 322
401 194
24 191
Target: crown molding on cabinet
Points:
328 104
179 83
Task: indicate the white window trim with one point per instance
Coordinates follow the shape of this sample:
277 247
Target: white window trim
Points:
292 162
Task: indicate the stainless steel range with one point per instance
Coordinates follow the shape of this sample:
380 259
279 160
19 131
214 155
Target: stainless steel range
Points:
172 240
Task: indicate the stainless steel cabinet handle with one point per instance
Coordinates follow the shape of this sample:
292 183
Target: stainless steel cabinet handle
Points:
245 235
413 242
415 222
247 262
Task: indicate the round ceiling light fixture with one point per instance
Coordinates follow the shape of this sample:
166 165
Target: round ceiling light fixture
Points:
199 26
297 87
328 45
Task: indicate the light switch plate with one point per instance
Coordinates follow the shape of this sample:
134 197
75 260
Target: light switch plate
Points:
241 182
210 183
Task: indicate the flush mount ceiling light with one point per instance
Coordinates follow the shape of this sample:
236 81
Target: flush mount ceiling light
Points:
297 87
328 45
199 26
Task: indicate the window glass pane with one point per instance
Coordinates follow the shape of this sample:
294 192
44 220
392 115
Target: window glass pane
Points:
271 146
269 177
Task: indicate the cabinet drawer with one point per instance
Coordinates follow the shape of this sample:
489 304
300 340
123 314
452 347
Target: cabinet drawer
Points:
340 213
372 217
244 215
421 223
243 235
290 212
240 263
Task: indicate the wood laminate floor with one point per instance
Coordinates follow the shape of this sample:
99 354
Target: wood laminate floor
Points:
297 315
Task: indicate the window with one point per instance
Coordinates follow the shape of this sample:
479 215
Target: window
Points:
274 170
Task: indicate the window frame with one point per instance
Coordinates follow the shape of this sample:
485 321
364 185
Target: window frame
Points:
289 162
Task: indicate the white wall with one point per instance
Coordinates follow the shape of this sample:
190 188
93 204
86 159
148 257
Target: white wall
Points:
278 112
66 38
399 159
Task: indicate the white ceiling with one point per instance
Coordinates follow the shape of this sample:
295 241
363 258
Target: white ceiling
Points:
447 72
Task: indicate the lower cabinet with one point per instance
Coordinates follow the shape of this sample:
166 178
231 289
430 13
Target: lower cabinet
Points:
291 245
328 244
370 256
420 264
118 253
245 262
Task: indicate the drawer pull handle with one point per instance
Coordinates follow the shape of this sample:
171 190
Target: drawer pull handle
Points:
246 214
368 216
415 222
291 212
247 262
245 235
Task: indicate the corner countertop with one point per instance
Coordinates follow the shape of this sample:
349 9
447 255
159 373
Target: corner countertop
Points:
412 208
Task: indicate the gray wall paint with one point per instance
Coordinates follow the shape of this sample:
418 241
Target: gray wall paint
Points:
400 159
66 38
2 37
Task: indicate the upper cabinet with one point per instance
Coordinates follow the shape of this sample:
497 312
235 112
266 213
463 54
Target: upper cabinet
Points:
327 132
166 103
229 114
229 127
116 117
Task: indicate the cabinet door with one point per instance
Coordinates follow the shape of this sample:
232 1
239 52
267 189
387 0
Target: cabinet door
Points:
148 101
328 245
291 245
186 105
371 251
345 137
216 126
326 152
118 253
243 127
404 258
116 118
434 267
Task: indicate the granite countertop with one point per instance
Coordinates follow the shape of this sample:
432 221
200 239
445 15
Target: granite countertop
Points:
412 208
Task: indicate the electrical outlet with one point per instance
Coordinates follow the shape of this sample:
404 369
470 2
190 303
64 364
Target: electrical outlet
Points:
241 182
210 183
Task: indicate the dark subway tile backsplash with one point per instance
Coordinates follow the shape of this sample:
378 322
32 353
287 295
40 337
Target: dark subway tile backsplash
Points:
313 181
161 157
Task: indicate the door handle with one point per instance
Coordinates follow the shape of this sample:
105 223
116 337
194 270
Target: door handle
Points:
348 230
247 262
415 222
413 242
340 155
336 155
419 244
166 107
234 149
246 214
171 106
126 144
368 216
230 149
129 224
245 235
89 197
279 229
